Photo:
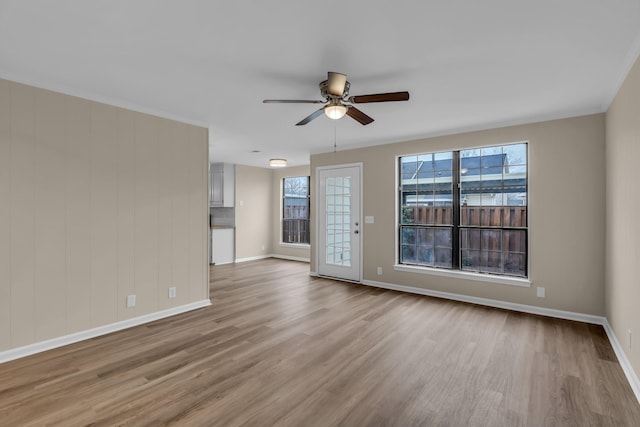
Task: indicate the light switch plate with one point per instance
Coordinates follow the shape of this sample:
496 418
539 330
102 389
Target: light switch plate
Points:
369 219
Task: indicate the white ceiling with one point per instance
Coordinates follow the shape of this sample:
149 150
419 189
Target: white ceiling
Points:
467 64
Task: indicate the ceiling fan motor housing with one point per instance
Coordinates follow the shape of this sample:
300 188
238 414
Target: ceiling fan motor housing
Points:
324 91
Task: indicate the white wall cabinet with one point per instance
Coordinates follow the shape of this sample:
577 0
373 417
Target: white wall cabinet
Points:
223 183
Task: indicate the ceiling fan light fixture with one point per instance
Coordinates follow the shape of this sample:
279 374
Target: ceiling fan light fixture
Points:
277 163
335 111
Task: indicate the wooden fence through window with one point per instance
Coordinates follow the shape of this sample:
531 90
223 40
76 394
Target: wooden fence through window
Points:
295 231
475 216
295 224
496 248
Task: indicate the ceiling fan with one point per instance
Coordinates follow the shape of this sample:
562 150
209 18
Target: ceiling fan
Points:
335 91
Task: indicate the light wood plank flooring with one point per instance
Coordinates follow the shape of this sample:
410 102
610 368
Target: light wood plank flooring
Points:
281 348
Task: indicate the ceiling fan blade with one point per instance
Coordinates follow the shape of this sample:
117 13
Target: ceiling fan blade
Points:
336 83
310 117
292 101
358 115
380 97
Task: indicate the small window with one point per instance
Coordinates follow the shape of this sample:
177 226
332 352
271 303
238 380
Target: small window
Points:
465 210
295 210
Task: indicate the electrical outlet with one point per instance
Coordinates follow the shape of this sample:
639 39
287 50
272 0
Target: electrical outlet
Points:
540 292
629 338
131 301
172 292
379 271
262 247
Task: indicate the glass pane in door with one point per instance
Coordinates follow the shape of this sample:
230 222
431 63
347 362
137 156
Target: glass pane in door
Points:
338 221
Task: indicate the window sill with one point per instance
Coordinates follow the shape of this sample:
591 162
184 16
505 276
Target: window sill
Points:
295 245
479 277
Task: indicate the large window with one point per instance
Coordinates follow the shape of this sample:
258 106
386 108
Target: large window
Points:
465 210
295 210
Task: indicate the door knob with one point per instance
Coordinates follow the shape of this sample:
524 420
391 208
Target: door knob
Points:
356 231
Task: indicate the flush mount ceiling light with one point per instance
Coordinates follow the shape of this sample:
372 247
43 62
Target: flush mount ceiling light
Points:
277 163
335 111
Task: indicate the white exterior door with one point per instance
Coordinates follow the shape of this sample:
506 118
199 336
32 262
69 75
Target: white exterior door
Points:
339 223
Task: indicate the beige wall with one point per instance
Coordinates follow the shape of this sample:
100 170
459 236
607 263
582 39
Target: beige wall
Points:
254 202
258 212
623 203
285 251
96 203
566 212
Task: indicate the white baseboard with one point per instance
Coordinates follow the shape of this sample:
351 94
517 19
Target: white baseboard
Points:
550 312
259 257
27 350
291 258
252 258
622 358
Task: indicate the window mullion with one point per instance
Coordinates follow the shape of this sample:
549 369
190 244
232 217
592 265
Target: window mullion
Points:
455 238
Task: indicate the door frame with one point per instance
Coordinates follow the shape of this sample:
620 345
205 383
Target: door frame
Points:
316 212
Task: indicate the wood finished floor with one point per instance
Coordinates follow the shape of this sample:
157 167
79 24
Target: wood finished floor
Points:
281 348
